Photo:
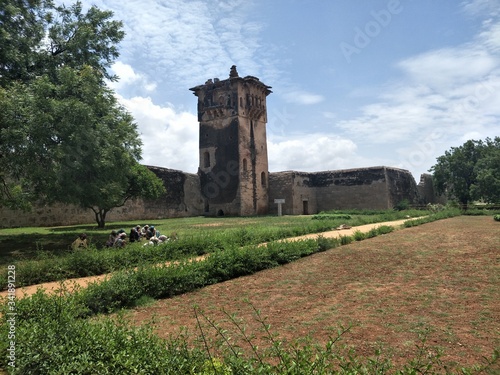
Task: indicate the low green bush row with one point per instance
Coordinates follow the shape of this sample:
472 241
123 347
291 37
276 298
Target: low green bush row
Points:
496 217
125 288
430 218
92 261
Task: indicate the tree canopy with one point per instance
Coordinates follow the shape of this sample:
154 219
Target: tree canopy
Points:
63 135
470 172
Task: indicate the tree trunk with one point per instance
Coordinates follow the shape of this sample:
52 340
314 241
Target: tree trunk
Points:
100 217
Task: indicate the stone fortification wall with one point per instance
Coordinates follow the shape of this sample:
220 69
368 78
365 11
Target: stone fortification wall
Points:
401 186
427 192
304 193
182 199
364 188
53 215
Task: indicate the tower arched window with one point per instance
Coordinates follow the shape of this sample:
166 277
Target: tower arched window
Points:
245 165
263 179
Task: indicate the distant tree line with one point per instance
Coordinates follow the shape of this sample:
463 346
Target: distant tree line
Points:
63 135
470 172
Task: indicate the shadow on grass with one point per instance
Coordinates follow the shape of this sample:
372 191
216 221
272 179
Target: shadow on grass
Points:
17 247
21 246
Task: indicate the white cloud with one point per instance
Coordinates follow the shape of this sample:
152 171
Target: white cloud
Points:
302 97
312 152
170 138
475 7
128 77
187 42
490 37
446 96
446 68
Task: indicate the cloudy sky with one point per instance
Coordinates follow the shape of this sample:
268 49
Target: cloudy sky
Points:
356 83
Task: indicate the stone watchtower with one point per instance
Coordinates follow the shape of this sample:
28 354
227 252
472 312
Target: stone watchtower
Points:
233 169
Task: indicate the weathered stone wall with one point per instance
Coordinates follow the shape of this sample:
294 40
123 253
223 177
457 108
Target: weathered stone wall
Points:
182 199
401 186
281 187
304 193
427 192
364 188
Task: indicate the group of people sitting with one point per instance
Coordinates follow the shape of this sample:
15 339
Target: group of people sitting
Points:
149 234
119 238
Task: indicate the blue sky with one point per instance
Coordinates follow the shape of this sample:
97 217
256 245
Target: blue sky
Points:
356 83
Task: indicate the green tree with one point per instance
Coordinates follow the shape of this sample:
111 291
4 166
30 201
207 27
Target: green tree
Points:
468 172
487 186
63 135
37 38
21 33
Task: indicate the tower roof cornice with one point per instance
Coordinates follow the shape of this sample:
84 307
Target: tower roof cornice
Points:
233 77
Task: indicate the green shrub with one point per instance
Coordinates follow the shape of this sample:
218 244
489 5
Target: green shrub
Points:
327 243
402 205
358 235
53 339
345 240
372 233
476 212
496 217
384 229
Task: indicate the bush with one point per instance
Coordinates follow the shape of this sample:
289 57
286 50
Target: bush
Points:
384 229
496 217
358 235
402 205
53 339
345 240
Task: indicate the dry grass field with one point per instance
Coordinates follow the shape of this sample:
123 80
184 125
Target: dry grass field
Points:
440 280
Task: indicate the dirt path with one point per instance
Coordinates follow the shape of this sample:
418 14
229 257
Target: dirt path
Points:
71 284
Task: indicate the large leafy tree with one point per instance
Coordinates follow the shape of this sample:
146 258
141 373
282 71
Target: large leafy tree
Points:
487 186
63 135
38 38
469 172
